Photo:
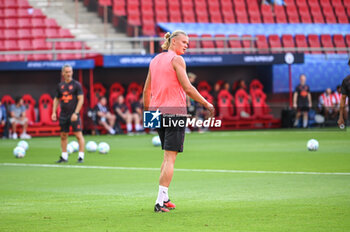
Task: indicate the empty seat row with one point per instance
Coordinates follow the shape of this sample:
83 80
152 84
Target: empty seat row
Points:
273 43
39 44
147 13
37 33
21 13
14 23
44 57
15 4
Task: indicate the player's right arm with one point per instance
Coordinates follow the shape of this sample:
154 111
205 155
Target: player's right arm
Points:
54 109
147 91
180 68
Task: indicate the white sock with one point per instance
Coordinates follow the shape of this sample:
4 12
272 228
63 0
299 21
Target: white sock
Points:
162 193
64 155
81 154
305 123
138 127
129 127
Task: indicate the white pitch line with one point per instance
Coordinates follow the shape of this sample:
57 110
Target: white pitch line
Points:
176 169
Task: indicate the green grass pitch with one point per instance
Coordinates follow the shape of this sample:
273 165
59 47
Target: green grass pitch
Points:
37 198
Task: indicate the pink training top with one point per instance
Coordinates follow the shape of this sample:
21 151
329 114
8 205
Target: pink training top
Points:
167 93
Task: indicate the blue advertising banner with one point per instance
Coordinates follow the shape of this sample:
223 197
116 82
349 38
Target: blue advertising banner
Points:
46 65
206 60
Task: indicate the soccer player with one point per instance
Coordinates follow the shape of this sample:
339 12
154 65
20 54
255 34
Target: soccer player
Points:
70 94
165 88
345 91
302 101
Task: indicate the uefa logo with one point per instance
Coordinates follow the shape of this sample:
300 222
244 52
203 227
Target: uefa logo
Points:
151 119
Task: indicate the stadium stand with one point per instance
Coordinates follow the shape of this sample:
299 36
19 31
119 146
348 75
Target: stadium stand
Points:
20 28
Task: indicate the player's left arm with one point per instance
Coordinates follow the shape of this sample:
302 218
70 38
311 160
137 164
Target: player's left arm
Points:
147 91
78 108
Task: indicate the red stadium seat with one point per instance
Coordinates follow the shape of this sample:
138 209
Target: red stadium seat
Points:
115 91
11 45
45 110
300 41
38 23
260 108
23 13
192 43
314 42
64 33
235 43
242 103
37 13
161 16
215 17
29 103
326 41
23 4
7 100
10 13
288 42
262 44
119 9
99 91
51 23
255 84
24 23
220 43
51 33
225 106
40 57
11 23
41 44
25 45
10 34
248 43
228 15
135 88
188 16
267 14
339 42
207 43
204 86
280 14
149 29
134 19
343 19
175 16
69 56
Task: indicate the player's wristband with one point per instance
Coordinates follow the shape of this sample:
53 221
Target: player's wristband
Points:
76 113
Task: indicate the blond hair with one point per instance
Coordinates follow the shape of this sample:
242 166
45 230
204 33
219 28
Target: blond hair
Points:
168 37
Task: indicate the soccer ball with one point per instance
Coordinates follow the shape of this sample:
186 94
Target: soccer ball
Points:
103 148
70 149
91 146
23 144
156 141
312 145
75 146
19 152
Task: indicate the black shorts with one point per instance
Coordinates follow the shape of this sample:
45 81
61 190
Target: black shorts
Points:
172 138
65 123
303 108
